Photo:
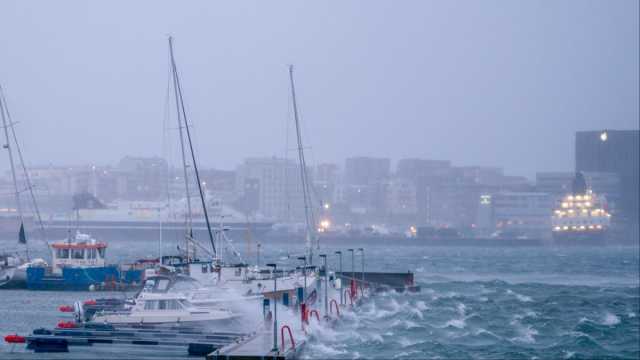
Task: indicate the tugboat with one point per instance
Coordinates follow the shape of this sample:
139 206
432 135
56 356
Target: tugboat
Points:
582 217
79 263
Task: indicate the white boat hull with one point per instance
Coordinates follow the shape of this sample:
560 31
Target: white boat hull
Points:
193 317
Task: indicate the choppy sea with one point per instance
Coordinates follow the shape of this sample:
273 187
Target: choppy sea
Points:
477 303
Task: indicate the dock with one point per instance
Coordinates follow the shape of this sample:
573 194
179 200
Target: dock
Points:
74 340
256 347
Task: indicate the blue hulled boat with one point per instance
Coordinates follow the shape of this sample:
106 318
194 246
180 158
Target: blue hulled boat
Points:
79 263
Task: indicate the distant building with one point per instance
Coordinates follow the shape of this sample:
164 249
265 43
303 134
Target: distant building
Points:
366 170
276 183
325 182
415 169
614 151
401 197
142 178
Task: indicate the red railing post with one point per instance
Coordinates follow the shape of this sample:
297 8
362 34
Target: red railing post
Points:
304 314
314 311
293 343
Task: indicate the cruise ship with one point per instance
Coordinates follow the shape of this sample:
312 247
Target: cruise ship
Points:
581 216
141 220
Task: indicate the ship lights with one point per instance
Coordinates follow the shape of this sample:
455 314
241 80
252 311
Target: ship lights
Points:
324 225
565 205
565 228
557 228
599 226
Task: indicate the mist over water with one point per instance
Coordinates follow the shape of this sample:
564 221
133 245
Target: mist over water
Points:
498 302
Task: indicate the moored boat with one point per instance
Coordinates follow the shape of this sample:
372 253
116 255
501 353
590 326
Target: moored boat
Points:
79 263
164 308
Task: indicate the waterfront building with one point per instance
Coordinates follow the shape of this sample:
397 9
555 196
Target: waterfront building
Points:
618 152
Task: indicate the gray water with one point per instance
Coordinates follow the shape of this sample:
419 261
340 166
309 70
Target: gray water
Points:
484 303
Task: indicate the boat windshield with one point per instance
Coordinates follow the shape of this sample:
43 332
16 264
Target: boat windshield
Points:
171 304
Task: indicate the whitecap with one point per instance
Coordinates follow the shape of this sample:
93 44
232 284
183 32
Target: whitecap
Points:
527 335
461 308
408 324
481 331
456 323
631 315
406 354
520 297
568 354
404 342
325 350
610 319
421 305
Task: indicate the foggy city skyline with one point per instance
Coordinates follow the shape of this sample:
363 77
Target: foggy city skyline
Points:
490 84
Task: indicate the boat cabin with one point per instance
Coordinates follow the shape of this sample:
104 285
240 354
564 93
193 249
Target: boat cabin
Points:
81 251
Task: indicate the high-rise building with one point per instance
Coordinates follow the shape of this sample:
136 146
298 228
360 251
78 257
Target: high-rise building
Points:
366 170
614 151
276 184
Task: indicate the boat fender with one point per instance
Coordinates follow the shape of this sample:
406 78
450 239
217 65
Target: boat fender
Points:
15 339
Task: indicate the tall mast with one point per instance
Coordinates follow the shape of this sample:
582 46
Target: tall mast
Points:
308 212
5 125
27 178
189 230
183 113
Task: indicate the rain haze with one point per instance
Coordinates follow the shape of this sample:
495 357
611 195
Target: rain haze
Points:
475 82
341 179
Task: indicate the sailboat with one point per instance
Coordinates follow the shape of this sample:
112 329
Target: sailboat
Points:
13 264
216 271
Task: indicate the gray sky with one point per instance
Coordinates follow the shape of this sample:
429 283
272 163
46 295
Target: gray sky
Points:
503 83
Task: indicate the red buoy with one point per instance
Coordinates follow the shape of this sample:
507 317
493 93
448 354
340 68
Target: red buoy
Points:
65 308
14 339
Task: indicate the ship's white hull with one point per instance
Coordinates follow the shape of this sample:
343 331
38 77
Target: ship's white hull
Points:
204 317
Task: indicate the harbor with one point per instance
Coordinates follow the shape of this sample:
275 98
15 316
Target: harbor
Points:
297 180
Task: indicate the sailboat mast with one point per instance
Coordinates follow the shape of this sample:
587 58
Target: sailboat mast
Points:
184 156
178 90
309 223
13 168
23 166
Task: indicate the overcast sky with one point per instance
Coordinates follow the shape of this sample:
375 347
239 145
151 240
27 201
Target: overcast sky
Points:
503 83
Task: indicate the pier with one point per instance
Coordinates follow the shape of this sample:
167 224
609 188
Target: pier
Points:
333 293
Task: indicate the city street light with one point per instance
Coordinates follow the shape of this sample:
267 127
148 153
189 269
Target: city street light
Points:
326 285
275 308
339 253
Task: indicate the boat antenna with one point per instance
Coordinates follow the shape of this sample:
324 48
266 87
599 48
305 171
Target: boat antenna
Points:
7 145
183 113
308 211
